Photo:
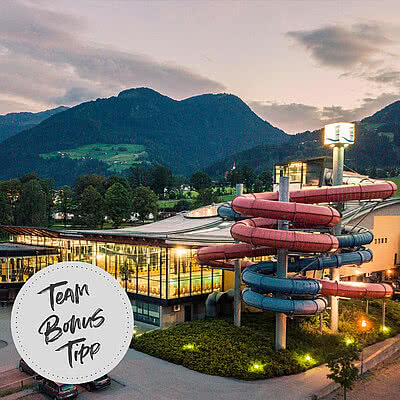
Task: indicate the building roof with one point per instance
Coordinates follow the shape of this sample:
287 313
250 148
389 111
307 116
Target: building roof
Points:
196 228
23 250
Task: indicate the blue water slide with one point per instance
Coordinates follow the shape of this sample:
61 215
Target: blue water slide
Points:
316 263
286 306
225 211
259 282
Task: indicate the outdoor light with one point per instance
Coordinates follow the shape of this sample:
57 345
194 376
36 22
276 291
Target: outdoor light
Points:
349 341
363 323
256 367
339 133
308 358
385 329
389 271
189 346
181 251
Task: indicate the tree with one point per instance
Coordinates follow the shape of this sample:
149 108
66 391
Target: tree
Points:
341 364
49 190
139 176
64 202
91 207
267 180
144 202
6 215
248 177
182 205
160 178
32 205
118 203
258 186
234 177
206 197
12 191
200 180
28 177
117 179
83 181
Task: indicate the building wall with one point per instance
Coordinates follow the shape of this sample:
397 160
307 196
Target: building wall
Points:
385 225
171 315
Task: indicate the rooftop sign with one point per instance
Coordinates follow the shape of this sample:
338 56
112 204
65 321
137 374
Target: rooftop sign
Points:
339 133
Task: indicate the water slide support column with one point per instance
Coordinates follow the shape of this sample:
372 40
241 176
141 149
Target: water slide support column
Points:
237 299
280 318
338 166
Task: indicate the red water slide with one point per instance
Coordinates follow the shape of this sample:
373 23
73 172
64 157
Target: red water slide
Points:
261 237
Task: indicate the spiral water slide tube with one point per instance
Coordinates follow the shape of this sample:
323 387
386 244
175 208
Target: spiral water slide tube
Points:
257 216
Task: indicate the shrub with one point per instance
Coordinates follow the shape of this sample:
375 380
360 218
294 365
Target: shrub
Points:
216 347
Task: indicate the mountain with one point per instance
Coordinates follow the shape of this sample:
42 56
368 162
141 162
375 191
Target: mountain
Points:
389 114
377 145
12 123
184 135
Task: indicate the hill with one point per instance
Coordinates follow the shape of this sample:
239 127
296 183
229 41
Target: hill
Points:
377 145
12 123
184 135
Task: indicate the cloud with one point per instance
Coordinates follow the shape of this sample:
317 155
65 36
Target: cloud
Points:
9 106
391 77
342 47
42 52
76 95
294 118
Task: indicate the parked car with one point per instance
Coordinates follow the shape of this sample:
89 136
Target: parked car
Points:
24 367
58 391
98 383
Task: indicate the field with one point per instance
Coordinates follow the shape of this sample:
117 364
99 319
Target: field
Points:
118 156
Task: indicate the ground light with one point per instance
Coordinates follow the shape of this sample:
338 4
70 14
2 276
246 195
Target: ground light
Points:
189 346
385 330
256 367
349 341
364 326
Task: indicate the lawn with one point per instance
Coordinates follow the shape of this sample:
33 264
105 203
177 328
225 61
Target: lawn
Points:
118 156
397 182
216 347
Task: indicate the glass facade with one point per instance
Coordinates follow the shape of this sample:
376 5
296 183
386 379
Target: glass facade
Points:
20 269
160 272
146 312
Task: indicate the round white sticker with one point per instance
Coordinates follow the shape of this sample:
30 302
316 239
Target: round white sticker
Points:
72 322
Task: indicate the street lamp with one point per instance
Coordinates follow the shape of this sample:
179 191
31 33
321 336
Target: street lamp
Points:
338 136
364 327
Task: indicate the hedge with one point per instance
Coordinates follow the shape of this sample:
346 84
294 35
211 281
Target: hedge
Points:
216 347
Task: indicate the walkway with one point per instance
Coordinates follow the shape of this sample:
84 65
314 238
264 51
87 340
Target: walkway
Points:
147 378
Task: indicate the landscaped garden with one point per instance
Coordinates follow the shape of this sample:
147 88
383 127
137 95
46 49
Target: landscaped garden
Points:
216 347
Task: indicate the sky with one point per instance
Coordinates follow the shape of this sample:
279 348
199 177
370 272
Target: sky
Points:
298 64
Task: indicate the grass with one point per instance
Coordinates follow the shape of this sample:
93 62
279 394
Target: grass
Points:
227 197
397 182
216 347
168 204
118 156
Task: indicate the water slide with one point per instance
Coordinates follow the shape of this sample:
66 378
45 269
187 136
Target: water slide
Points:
257 217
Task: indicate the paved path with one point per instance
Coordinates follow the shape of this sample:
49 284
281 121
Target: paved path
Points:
147 378
8 354
381 383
